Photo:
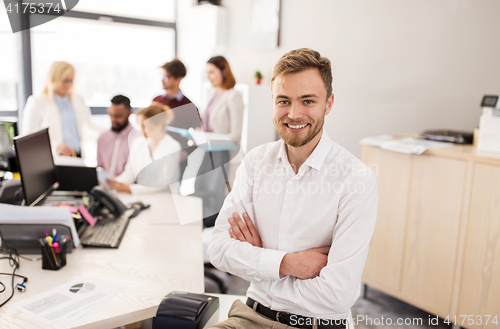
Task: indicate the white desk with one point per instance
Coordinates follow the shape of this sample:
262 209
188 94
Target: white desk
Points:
225 302
156 256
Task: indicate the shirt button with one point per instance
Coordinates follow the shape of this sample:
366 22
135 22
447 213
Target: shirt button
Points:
283 238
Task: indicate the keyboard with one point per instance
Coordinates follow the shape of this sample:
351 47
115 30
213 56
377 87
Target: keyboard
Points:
107 233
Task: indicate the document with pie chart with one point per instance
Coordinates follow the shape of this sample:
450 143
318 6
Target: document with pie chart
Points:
70 303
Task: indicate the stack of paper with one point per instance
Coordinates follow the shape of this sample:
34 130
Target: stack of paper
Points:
407 145
69 304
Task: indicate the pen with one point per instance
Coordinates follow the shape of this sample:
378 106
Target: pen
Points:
63 240
49 240
66 239
46 233
54 235
56 247
47 255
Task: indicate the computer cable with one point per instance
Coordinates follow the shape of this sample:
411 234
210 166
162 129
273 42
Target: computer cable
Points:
13 258
35 259
17 193
138 207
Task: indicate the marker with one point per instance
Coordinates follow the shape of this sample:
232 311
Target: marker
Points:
66 239
49 240
63 240
54 235
46 233
56 247
43 242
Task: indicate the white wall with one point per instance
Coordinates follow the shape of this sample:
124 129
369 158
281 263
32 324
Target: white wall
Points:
400 66
202 33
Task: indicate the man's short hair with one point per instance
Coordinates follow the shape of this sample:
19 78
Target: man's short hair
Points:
175 68
120 99
299 60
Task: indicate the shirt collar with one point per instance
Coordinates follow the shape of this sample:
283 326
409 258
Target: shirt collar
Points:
178 96
64 98
125 130
317 157
282 152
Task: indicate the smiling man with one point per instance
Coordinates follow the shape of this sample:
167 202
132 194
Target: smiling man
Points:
301 214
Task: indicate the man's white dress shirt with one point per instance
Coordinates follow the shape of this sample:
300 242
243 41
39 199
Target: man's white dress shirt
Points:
331 201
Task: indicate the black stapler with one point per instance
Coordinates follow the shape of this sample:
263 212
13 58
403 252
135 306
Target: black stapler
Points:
183 310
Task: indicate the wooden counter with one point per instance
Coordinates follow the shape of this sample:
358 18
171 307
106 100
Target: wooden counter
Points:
465 152
437 239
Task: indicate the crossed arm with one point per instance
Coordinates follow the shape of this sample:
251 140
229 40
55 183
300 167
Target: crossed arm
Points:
303 265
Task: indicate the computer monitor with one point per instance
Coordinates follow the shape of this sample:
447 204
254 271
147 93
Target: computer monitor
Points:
36 166
76 179
8 130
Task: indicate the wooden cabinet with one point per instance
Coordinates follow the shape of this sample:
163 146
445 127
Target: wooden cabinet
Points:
436 243
480 285
384 264
433 222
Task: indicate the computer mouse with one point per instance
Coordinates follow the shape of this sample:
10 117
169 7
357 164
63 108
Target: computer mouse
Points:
138 207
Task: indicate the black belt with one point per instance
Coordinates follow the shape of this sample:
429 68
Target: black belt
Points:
294 320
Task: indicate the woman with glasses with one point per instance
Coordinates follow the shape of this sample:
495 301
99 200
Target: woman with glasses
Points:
59 109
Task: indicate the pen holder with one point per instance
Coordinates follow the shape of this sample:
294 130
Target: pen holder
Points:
53 260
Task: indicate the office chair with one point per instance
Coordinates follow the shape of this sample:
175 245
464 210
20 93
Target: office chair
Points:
207 236
11 192
188 187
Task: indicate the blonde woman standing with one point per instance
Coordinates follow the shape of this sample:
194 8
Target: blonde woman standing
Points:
59 109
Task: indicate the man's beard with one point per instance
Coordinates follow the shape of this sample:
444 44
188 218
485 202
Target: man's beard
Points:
297 139
120 128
